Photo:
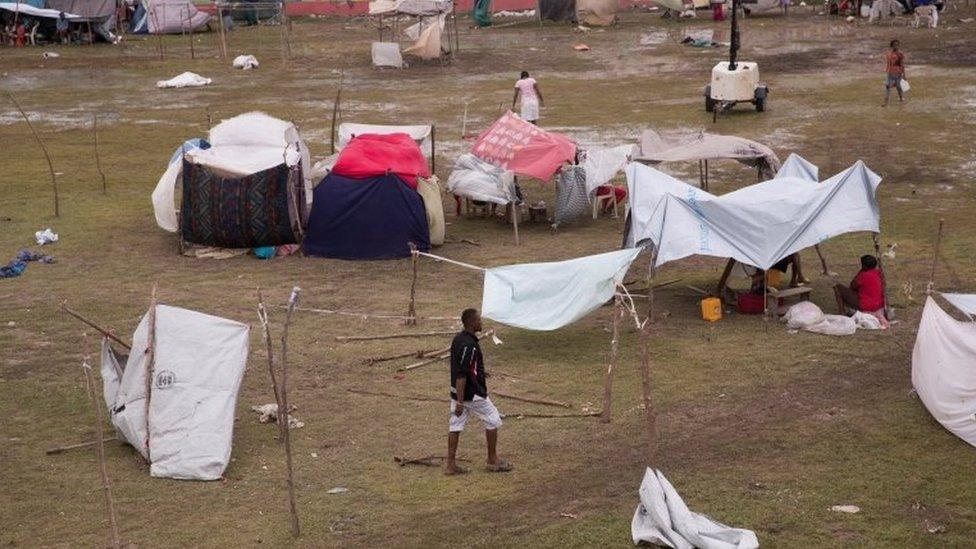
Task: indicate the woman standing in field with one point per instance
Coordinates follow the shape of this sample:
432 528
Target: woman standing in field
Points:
527 88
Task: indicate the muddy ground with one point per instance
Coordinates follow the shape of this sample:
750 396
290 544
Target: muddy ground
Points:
757 427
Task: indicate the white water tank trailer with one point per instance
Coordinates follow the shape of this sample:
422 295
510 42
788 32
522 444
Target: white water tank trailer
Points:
734 81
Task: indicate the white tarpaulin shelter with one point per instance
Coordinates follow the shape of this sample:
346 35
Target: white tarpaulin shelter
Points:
476 179
548 296
422 134
386 54
798 167
428 42
244 145
944 366
198 366
756 225
662 518
602 164
656 148
410 7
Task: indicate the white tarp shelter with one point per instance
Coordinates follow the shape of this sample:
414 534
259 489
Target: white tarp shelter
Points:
548 296
240 146
656 148
410 7
602 164
944 365
27 9
198 366
757 225
475 179
662 518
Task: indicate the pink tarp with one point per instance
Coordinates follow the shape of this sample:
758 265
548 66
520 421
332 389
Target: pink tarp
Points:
371 154
518 146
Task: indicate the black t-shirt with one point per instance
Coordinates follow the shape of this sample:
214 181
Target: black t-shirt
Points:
467 362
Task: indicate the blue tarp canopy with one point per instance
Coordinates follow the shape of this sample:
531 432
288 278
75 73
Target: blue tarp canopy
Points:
370 218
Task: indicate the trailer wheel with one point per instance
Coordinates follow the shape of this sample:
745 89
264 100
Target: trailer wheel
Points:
760 104
709 102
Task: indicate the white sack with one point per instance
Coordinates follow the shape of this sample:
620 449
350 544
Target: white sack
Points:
199 364
662 518
386 54
475 179
246 62
109 370
185 80
602 165
548 296
944 369
756 225
805 315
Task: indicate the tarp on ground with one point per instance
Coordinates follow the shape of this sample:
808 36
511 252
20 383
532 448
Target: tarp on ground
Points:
548 296
418 132
558 10
199 362
475 179
655 148
370 155
597 13
168 17
521 147
410 7
370 218
944 368
663 519
757 225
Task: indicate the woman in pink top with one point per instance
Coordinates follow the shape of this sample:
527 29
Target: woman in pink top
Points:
527 88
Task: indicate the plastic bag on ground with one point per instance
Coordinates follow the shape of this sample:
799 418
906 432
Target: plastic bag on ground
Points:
46 236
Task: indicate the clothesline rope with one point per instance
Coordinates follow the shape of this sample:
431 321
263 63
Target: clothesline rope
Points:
458 263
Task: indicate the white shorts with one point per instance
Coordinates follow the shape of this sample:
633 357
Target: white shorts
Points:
530 110
479 406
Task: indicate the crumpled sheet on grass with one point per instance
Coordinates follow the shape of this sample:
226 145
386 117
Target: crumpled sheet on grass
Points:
17 265
805 315
246 62
185 80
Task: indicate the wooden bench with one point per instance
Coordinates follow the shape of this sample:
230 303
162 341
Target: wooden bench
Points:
773 296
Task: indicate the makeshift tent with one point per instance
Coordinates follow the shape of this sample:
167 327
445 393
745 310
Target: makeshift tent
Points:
662 518
428 42
430 19
167 17
374 217
702 147
197 366
548 296
250 155
373 154
410 7
944 365
757 225
422 134
599 13
24 8
476 179
521 147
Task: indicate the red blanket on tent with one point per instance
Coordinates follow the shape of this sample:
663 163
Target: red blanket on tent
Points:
516 145
370 155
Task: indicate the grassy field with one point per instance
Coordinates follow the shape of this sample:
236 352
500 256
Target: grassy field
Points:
757 427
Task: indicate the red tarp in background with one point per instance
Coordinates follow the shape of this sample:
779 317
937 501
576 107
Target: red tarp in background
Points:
518 146
370 155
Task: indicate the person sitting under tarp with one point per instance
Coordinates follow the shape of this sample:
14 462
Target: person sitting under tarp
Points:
774 276
866 291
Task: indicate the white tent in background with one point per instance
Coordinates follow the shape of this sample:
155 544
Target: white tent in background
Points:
198 366
944 365
756 225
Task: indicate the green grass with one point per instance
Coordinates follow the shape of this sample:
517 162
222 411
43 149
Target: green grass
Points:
757 427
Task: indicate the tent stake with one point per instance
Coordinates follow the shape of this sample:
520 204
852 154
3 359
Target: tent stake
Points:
98 160
189 27
884 282
935 259
50 165
411 308
99 444
292 301
220 27
614 342
150 363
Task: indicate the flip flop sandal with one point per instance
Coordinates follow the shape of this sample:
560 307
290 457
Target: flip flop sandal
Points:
503 466
458 471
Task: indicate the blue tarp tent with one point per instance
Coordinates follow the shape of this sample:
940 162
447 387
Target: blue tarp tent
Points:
369 218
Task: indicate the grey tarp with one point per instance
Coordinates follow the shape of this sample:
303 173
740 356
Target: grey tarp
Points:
101 11
572 198
655 148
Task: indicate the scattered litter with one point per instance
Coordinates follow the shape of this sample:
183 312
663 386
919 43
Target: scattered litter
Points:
495 340
967 20
50 55
269 414
338 490
246 62
890 253
523 13
934 528
688 14
582 28
19 263
850 509
185 80
314 455
699 42
11 324
581 47
46 236
850 19
653 38
573 516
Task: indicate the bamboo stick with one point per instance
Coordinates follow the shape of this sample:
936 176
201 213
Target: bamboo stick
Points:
876 238
441 355
392 395
98 160
552 416
150 364
935 258
292 301
608 378
412 306
50 165
543 401
99 444
103 331
650 417
823 260
266 334
417 354
369 315
394 336
222 32
335 113
189 30
89 444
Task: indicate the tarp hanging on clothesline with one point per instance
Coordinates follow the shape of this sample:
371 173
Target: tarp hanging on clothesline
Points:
944 366
756 225
656 148
548 296
428 44
521 147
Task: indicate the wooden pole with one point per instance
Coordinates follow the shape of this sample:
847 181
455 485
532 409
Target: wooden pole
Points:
935 259
614 344
266 333
440 355
416 354
189 30
150 364
283 40
515 217
394 336
335 112
103 331
292 301
433 149
650 417
412 306
542 401
884 282
98 160
89 444
50 165
103 468
220 28
823 260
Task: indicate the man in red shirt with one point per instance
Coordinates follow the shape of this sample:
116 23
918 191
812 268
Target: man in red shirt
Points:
866 292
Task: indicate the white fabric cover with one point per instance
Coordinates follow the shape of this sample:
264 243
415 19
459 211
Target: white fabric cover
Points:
164 195
27 9
655 147
964 302
756 225
199 364
386 54
601 165
548 296
419 133
805 315
662 518
428 44
246 62
174 16
476 179
944 369
798 167
430 192
410 7
184 80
